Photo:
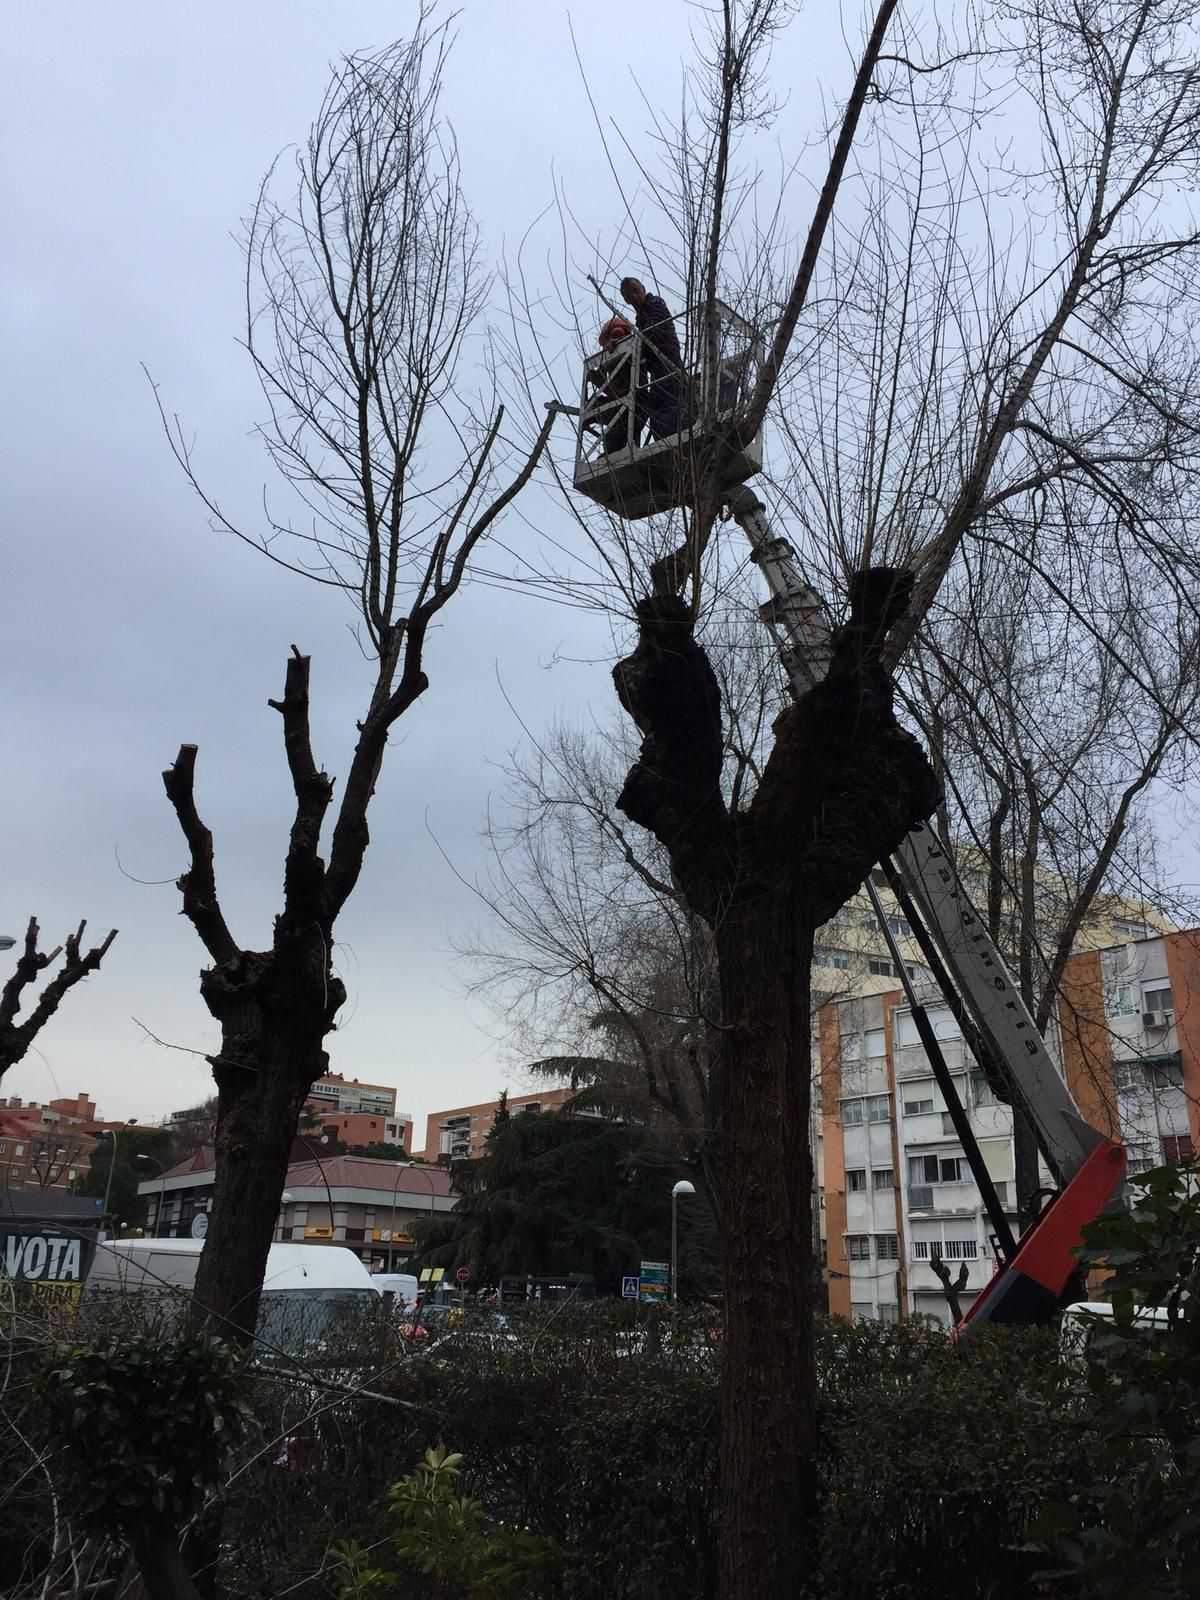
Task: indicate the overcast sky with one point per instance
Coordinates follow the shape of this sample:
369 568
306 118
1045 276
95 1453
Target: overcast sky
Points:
136 135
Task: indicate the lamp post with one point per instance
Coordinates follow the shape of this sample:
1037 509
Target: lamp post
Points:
285 1200
407 1166
325 1181
682 1187
141 1159
6 941
109 1133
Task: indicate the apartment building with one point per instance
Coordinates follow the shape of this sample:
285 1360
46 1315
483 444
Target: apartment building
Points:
895 1181
358 1130
458 1134
336 1093
1129 1030
46 1147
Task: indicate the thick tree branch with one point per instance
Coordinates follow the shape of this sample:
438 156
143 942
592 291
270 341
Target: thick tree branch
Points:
16 1037
198 885
674 788
304 873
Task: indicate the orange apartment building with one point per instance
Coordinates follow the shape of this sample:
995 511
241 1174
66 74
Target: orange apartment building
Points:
459 1134
359 1114
895 1179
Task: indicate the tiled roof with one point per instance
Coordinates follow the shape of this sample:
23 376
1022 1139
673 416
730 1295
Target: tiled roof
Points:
365 1172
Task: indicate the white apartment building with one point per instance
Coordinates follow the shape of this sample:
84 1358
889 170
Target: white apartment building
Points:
896 1182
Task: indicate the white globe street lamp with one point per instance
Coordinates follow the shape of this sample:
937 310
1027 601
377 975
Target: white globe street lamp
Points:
682 1187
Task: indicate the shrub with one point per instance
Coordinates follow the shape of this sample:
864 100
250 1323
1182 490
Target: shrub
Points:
142 1425
1129 1524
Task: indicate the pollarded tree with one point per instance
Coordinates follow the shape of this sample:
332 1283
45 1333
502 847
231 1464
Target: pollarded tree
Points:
991 319
18 1032
362 289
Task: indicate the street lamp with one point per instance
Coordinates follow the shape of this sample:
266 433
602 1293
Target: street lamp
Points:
285 1200
682 1187
324 1180
142 1158
108 1133
6 941
407 1166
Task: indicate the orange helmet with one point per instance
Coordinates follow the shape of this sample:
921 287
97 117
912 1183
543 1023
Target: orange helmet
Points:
615 328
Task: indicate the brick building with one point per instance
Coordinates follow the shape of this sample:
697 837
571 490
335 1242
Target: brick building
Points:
46 1147
459 1134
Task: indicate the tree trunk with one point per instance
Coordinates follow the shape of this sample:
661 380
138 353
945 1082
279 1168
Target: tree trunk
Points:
768 1396
156 1551
275 1010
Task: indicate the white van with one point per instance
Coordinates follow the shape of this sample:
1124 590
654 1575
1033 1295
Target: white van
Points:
308 1292
401 1284
1081 1320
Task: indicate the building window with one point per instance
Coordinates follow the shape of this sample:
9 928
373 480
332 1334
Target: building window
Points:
874 1042
1176 1147
820 1199
948 1249
982 1093
900 926
861 1311
936 1169
881 967
878 1109
856 1180
1118 1000
825 956
918 1098
852 1113
1142 1156
1127 1074
858 1246
1157 999
889 1311
1162 1071
887 1247
1132 930
883 1179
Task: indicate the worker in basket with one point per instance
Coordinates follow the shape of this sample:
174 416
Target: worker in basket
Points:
613 379
662 359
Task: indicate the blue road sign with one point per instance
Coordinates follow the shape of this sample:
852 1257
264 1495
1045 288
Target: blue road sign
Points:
629 1288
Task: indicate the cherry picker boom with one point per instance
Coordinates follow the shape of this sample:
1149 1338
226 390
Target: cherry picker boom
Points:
1034 1271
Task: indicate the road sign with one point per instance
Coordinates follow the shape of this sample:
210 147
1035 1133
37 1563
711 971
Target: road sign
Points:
200 1225
654 1280
463 1274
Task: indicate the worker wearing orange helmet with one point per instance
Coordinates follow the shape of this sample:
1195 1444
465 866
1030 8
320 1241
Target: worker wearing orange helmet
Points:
613 380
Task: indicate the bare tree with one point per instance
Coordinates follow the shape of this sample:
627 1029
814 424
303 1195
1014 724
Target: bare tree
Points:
361 292
16 1036
952 1288
989 321
53 1157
